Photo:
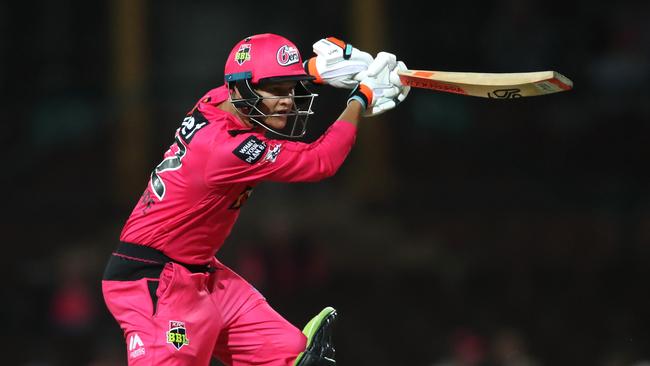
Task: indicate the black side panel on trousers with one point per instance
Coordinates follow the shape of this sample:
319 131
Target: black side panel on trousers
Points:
123 269
146 254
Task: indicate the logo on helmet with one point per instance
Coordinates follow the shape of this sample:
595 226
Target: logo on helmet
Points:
243 54
288 55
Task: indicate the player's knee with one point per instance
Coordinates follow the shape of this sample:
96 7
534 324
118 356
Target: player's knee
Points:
293 341
280 348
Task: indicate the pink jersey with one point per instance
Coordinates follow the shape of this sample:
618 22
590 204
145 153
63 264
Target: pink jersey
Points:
194 195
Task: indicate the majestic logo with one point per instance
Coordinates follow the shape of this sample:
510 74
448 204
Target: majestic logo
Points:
273 153
243 54
250 150
288 55
136 347
177 335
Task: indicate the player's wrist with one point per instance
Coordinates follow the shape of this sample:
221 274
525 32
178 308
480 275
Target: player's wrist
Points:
363 95
359 101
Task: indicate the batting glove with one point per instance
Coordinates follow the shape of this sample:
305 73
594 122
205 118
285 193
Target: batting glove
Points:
385 104
380 88
336 63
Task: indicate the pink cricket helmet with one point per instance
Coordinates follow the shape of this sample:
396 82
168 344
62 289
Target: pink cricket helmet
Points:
265 57
269 58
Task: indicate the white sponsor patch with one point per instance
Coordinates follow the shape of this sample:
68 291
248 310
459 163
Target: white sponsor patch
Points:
136 346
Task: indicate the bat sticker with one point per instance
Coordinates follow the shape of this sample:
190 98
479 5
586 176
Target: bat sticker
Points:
505 94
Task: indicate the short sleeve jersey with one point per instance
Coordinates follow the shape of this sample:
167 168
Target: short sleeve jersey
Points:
194 195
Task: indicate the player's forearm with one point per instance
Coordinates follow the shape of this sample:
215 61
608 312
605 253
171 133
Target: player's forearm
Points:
318 160
352 113
312 162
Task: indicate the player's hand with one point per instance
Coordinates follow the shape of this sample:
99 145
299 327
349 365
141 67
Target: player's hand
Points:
385 104
380 88
336 63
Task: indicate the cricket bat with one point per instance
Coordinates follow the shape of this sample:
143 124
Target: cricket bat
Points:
488 85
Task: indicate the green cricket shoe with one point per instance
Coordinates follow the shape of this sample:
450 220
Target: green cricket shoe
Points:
320 349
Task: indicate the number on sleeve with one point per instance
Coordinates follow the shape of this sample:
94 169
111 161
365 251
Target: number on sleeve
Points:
186 133
170 163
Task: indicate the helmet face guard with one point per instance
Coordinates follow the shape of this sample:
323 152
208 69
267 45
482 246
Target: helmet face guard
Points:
268 58
249 106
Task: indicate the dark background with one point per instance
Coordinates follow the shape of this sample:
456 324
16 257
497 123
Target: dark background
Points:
460 231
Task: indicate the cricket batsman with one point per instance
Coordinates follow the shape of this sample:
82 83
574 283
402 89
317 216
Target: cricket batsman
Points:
176 303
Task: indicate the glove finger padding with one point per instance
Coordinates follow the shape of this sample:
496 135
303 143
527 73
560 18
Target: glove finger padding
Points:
403 94
395 80
381 107
391 92
384 88
384 61
394 76
380 88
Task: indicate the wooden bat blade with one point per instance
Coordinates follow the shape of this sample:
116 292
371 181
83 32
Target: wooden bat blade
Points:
488 85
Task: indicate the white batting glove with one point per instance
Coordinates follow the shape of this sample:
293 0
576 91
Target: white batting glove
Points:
387 103
380 88
336 63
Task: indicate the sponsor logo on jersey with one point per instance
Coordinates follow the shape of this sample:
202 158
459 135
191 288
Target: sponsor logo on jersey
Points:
177 334
250 150
287 55
136 347
273 153
243 54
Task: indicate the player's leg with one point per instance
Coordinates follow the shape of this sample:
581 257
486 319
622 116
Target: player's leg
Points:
255 334
167 320
259 336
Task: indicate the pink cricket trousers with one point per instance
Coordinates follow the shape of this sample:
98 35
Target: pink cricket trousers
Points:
185 318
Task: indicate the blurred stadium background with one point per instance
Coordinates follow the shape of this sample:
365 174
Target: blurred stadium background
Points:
460 232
